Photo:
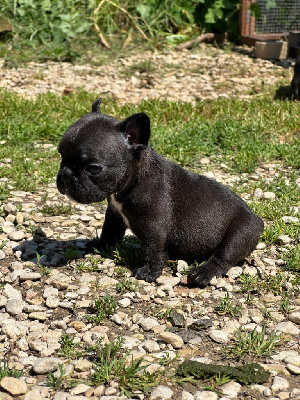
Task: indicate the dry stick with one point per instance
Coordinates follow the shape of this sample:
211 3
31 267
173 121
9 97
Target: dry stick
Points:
205 37
103 40
125 12
127 40
130 17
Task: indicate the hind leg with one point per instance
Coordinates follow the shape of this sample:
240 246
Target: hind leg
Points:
241 238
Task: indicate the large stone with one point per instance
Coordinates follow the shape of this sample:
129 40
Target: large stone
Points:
14 306
162 393
231 389
293 359
205 395
148 323
171 338
295 317
46 365
279 384
218 336
16 236
33 394
14 386
287 327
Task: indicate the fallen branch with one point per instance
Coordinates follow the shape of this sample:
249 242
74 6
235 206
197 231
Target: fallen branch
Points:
205 37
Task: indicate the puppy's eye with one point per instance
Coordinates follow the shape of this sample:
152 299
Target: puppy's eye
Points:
94 169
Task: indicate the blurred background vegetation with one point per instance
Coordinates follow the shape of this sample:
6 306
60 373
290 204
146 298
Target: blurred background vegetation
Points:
60 30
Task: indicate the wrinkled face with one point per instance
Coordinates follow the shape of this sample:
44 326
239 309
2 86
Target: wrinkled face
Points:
96 159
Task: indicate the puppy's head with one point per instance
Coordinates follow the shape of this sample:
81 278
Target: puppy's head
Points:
100 155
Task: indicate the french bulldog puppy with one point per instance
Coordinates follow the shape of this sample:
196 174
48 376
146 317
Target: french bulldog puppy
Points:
296 80
175 213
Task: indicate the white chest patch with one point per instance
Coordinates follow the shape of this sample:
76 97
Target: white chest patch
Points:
119 207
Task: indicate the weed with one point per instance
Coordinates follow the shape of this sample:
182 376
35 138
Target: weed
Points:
265 283
216 381
226 306
3 243
5 371
71 253
249 299
162 313
285 303
292 259
44 270
127 286
110 363
31 228
255 343
56 381
102 309
173 265
57 209
143 67
121 272
88 264
129 252
68 347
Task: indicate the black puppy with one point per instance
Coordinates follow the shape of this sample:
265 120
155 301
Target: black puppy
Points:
296 80
176 214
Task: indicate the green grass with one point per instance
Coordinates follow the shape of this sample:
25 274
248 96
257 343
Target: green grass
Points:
266 283
254 343
241 132
103 308
127 285
11 372
226 306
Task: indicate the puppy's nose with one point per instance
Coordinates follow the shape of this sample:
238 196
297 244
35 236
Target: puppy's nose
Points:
66 174
64 178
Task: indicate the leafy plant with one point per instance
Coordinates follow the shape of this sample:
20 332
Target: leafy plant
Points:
44 270
5 371
3 243
57 209
226 306
90 263
68 347
71 253
220 16
46 21
102 309
129 252
255 343
127 286
111 363
266 283
292 259
285 303
149 20
57 381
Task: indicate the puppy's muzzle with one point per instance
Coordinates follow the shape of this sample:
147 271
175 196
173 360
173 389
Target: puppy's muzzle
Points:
64 179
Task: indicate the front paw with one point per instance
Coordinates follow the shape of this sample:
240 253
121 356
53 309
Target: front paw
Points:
93 246
199 276
147 273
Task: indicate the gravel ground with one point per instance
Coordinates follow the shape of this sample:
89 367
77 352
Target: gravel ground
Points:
205 73
43 300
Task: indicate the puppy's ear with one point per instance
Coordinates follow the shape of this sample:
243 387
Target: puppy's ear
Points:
96 106
136 130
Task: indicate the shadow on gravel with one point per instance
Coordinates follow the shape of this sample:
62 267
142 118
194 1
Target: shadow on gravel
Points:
52 253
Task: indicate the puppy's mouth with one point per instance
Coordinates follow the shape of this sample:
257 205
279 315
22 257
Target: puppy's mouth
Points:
80 194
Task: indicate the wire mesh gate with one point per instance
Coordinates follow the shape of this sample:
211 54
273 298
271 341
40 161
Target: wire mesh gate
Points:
278 17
